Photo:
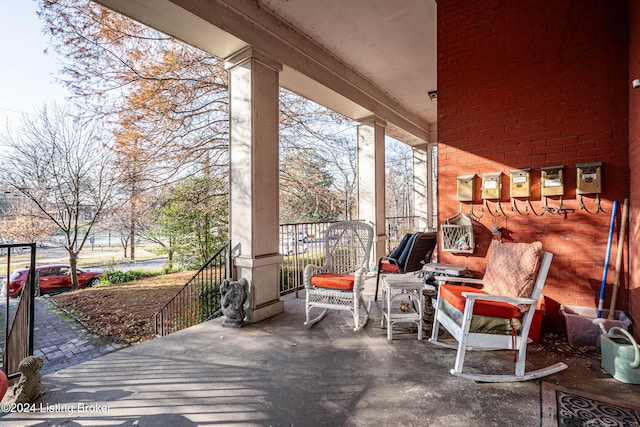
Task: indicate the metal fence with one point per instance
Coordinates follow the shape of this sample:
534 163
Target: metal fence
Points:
199 298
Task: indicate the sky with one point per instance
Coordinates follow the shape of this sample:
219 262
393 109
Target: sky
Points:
27 74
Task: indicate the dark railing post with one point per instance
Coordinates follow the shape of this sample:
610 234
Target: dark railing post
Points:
227 263
32 294
7 316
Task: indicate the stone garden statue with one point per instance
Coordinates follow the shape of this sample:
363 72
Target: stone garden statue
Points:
27 390
233 296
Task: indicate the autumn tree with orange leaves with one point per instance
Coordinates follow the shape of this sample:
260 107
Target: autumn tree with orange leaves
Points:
168 105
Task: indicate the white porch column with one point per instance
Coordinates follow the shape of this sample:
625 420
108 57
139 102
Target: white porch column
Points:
423 186
254 210
371 181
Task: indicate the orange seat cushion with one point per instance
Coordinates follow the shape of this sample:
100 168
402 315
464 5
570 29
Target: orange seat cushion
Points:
453 295
387 266
342 282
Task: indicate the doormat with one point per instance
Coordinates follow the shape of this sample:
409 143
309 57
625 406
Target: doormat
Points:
564 407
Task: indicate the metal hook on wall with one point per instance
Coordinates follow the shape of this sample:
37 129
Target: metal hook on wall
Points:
514 207
582 206
501 210
472 214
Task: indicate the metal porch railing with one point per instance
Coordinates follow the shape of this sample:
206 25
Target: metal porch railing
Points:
199 298
301 244
18 333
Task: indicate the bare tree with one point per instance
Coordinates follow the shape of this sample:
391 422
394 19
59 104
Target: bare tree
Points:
341 153
63 167
22 225
399 179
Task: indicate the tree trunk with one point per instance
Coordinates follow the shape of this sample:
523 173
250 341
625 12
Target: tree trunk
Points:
132 235
73 263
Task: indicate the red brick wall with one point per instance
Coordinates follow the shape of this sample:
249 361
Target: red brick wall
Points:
528 85
634 165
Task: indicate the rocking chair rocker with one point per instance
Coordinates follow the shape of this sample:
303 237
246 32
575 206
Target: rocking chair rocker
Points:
488 319
339 283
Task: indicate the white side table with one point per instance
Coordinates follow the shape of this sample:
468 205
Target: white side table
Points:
402 301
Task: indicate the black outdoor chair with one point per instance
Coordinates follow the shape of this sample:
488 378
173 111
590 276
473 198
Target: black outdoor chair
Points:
410 255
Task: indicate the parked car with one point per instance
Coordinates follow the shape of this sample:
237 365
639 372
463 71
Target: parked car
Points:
53 278
289 246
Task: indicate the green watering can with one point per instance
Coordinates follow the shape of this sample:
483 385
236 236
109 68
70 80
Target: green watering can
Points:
620 355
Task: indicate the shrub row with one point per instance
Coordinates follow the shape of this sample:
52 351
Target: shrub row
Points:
115 277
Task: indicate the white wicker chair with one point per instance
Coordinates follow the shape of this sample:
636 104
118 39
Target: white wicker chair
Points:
339 283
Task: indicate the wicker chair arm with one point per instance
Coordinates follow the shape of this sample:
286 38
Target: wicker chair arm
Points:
311 270
359 276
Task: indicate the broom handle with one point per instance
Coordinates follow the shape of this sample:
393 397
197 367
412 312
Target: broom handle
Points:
616 280
605 270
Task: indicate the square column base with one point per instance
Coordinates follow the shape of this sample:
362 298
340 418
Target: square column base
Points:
272 308
263 275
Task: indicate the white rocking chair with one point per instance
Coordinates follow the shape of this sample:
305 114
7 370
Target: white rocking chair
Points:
477 326
339 283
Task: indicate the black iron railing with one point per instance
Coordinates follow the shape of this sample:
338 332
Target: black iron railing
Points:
18 331
199 298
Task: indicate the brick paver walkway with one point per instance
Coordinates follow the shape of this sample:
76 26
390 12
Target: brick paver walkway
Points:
60 340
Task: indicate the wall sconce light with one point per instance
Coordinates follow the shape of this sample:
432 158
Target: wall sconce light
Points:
635 83
433 94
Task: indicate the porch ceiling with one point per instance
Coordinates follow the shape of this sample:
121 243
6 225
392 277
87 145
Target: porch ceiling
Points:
360 58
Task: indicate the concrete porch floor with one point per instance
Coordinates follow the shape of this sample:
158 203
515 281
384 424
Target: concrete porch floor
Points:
281 373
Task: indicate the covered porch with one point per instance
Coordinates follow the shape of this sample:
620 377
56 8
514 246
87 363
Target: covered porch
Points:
497 86
278 372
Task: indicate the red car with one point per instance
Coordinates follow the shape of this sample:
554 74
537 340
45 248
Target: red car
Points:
52 278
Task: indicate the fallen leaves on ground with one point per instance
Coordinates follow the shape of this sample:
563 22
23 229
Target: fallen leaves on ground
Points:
558 343
124 311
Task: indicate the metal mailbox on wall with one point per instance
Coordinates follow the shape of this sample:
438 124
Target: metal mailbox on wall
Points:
552 183
465 188
520 183
589 178
491 185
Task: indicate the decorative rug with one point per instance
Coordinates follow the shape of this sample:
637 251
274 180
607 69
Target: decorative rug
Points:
566 407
